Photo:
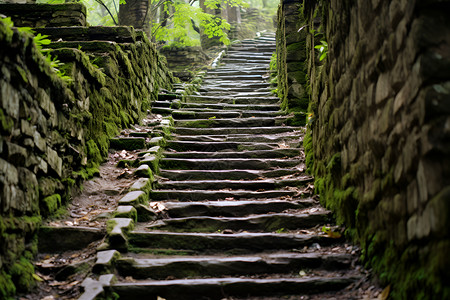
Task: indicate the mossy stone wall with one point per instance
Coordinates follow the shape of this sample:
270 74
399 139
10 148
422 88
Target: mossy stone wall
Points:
378 137
291 38
54 133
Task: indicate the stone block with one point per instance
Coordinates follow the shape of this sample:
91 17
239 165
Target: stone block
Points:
134 198
412 197
126 211
16 154
54 161
130 143
118 229
143 171
39 141
142 184
64 238
152 161
383 88
93 289
29 185
411 227
105 261
10 99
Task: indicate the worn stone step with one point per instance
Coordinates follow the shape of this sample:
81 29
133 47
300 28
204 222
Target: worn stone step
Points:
227 174
217 90
186 114
216 289
266 184
232 122
227 163
199 195
235 130
285 139
233 208
225 76
244 113
273 153
256 223
208 242
241 98
246 60
233 53
216 266
225 106
230 72
253 48
218 146
231 85
240 95
257 55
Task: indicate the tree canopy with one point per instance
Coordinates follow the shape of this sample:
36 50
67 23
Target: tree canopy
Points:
171 22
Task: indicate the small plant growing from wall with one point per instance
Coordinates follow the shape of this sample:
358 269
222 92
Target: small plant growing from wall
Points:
323 49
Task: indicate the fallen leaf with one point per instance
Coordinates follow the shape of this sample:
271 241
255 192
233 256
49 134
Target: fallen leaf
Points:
385 293
37 277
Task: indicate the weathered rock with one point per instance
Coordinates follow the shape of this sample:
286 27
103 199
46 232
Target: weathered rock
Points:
63 238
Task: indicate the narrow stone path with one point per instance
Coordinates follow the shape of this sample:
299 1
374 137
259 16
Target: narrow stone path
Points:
236 214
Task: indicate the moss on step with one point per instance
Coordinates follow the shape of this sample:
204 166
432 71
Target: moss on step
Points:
50 204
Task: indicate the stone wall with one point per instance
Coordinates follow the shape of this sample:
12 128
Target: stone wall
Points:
379 125
55 132
291 56
44 15
183 61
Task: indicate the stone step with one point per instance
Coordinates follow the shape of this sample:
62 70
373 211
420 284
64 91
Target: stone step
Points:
233 208
249 54
239 107
185 114
232 100
234 130
218 146
230 72
217 288
256 108
199 195
232 122
257 223
231 85
265 184
253 48
291 138
246 60
235 89
274 153
227 174
217 266
267 93
227 163
225 76
246 242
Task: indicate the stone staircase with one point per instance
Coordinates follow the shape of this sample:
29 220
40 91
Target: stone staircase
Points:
236 215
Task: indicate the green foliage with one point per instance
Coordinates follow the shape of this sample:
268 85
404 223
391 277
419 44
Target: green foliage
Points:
40 41
323 49
179 29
